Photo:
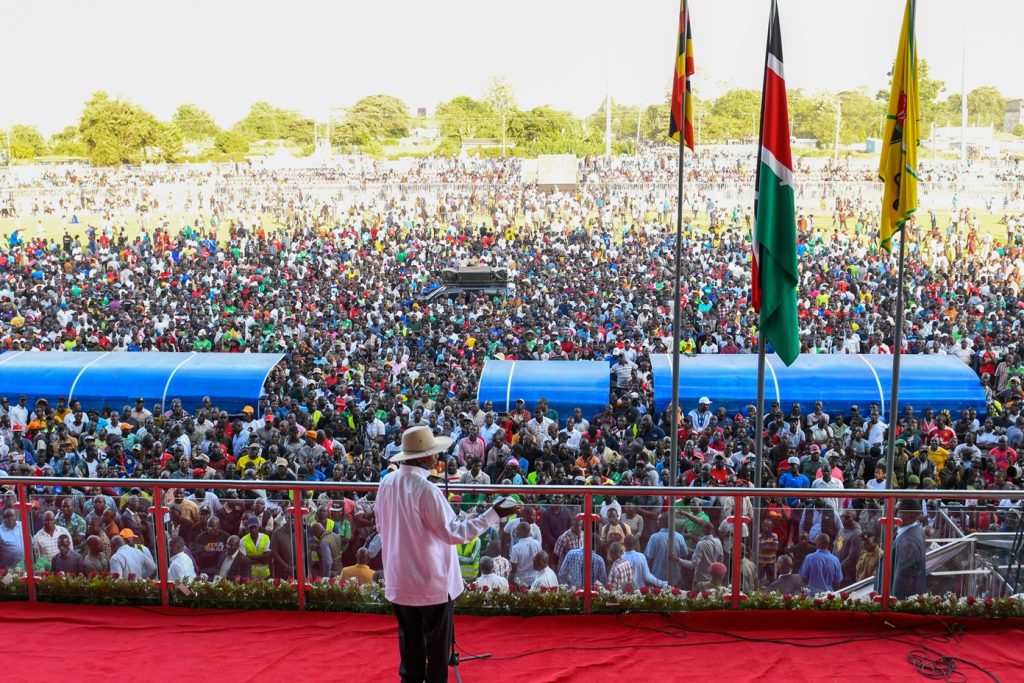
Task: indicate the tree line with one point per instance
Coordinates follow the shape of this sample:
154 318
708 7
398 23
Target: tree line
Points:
113 131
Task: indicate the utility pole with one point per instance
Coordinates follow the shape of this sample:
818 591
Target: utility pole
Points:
607 89
608 124
636 146
963 92
839 122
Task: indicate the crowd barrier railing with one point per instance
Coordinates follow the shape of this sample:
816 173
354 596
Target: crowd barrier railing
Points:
740 528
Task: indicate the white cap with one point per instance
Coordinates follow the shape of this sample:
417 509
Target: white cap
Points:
704 401
793 460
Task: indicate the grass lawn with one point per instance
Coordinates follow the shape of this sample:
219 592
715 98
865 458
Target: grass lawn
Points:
53 226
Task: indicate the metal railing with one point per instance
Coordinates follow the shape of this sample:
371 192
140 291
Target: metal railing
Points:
297 490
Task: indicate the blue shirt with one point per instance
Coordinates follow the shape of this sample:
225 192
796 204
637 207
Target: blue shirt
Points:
657 554
794 481
12 546
822 571
571 571
642 575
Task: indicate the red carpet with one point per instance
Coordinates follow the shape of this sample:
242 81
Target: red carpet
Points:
49 642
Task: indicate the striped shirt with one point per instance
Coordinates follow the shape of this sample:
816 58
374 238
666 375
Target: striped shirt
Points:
569 540
44 545
621 574
571 571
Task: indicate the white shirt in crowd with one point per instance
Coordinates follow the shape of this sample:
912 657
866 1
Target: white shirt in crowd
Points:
180 568
419 532
492 581
546 579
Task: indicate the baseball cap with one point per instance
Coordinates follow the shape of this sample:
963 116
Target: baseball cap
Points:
281 461
793 460
704 401
253 522
127 533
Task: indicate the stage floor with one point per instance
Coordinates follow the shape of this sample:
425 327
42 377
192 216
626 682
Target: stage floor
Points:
48 642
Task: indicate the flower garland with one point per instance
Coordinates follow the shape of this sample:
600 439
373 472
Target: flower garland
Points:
333 595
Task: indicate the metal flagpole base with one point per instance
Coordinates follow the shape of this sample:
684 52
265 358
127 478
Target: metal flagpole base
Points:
454 659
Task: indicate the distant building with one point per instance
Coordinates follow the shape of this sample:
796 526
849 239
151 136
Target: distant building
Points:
1014 115
421 112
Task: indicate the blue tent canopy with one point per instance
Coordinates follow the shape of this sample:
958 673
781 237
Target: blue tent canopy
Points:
565 384
116 379
837 380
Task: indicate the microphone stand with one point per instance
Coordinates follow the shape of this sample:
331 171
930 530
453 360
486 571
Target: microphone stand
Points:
453 656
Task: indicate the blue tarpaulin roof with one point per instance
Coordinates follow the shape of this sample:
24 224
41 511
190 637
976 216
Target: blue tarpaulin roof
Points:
565 384
837 380
116 379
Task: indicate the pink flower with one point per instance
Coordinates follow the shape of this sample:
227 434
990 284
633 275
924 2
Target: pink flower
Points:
818 602
691 594
830 597
656 590
705 594
971 600
132 577
245 580
484 589
115 575
629 588
845 595
644 590
989 602
676 592
471 588
787 597
277 582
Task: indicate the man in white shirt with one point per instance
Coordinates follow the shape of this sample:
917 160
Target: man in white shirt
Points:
488 579
127 560
701 417
524 548
419 532
546 576
180 567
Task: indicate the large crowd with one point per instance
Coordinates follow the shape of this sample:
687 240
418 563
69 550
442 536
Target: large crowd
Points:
338 288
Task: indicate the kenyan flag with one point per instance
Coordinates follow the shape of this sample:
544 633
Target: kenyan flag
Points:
774 248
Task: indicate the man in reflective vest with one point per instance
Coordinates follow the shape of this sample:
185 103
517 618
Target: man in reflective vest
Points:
469 559
256 546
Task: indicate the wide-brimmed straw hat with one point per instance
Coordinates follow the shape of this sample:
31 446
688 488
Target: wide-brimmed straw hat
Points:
418 442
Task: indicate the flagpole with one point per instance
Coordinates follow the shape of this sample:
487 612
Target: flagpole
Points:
673 468
759 425
890 447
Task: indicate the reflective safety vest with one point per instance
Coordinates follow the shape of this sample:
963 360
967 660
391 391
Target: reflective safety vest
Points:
314 554
260 570
469 559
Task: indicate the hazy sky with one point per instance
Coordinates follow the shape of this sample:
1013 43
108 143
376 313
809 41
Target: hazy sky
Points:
312 56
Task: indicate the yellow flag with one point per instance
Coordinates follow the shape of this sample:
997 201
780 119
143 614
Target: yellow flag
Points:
898 166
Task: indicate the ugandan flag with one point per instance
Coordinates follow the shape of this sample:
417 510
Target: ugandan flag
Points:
680 120
774 270
898 166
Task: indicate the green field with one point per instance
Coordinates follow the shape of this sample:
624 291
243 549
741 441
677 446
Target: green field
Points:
53 226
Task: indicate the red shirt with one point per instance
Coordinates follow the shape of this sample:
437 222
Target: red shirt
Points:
945 435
